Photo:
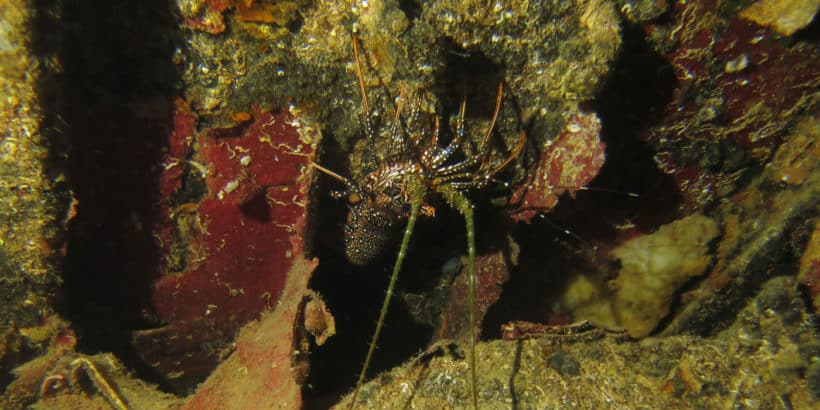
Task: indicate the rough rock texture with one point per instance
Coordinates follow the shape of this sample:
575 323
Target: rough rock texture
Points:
34 205
34 201
228 253
759 360
651 270
809 274
784 16
728 103
429 47
566 165
63 378
191 138
269 361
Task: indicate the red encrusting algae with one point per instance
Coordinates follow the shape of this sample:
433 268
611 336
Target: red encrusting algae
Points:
568 164
740 86
235 246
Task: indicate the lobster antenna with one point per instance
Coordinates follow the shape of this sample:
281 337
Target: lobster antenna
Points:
359 74
417 191
457 200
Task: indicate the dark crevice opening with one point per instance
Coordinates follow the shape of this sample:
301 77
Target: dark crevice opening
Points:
411 8
355 293
633 98
116 97
470 75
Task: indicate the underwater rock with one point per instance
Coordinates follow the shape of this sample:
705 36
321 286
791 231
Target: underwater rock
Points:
798 155
566 165
784 16
209 15
433 50
555 53
809 274
761 358
227 253
280 13
641 11
80 381
64 378
34 205
212 70
652 269
56 340
759 223
492 271
203 15
728 104
654 266
270 358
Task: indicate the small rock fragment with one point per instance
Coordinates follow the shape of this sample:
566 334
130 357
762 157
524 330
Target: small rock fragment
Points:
783 16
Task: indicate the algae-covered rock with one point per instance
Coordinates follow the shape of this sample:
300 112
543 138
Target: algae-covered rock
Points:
784 16
652 268
552 55
31 208
759 361
809 274
640 11
556 54
761 224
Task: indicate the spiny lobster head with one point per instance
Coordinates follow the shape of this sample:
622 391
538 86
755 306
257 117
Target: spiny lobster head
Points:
374 208
368 230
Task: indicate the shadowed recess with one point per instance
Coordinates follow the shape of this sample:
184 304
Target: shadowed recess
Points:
640 85
116 95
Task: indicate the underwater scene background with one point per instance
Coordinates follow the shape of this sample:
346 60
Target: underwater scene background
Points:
179 180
